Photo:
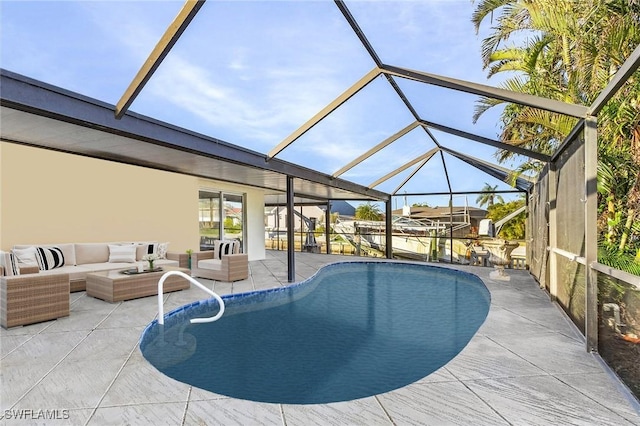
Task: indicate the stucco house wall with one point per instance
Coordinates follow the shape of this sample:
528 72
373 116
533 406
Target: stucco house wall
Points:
53 197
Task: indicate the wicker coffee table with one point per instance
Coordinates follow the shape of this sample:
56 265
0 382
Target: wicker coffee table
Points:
115 286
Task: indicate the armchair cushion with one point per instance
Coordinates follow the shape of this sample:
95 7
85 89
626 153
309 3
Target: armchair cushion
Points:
210 264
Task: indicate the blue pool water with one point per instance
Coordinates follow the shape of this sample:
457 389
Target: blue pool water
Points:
353 330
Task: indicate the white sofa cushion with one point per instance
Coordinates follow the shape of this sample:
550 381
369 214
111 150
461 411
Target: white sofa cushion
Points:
69 252
76 273
91 253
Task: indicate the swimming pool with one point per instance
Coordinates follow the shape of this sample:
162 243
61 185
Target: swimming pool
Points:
353 330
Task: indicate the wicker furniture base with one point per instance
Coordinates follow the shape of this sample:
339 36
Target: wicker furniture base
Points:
77 285
114 286
233 267
182 258
28 299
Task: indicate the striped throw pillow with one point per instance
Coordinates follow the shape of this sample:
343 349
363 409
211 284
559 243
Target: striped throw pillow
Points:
9 263
222 248
49 258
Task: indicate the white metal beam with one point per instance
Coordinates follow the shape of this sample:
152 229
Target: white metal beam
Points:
388 176
376 148
404 182
496 144
345 96
169 38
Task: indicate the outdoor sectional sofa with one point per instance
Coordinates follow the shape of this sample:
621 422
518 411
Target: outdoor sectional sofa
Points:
31 293
83 258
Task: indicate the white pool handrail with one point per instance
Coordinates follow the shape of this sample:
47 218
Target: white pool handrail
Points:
193 281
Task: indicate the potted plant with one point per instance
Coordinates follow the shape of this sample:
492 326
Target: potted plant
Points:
189 252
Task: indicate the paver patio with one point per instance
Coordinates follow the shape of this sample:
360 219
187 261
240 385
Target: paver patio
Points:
525 366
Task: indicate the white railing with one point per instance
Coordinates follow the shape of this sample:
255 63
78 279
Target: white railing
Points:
193 281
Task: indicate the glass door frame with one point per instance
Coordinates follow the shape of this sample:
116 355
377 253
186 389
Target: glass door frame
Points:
221 197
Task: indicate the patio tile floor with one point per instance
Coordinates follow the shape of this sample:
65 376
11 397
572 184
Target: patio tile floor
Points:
525 366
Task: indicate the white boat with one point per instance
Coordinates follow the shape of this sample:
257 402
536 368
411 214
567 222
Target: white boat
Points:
423 239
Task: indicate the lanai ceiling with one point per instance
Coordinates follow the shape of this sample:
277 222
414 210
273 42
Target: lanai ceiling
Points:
356 100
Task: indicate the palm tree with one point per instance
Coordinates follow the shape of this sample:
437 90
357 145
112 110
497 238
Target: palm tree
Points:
368 211
488 196
570 52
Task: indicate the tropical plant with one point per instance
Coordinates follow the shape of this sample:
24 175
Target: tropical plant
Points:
568 51
513 229
488 196
368 211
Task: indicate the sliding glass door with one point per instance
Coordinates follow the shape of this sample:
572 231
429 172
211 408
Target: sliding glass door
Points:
233 224
221 216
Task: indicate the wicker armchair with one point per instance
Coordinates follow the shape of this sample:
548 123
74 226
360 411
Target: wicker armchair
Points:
232 267
27 299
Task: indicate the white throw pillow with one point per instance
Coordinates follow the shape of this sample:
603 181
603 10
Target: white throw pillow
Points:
124 254
162 250
26 256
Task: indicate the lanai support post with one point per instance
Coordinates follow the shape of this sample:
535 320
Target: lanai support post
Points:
553 230
591 231
327 227
388 230
451 227
291 258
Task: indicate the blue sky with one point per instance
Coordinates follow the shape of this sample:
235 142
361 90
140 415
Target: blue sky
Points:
251 72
